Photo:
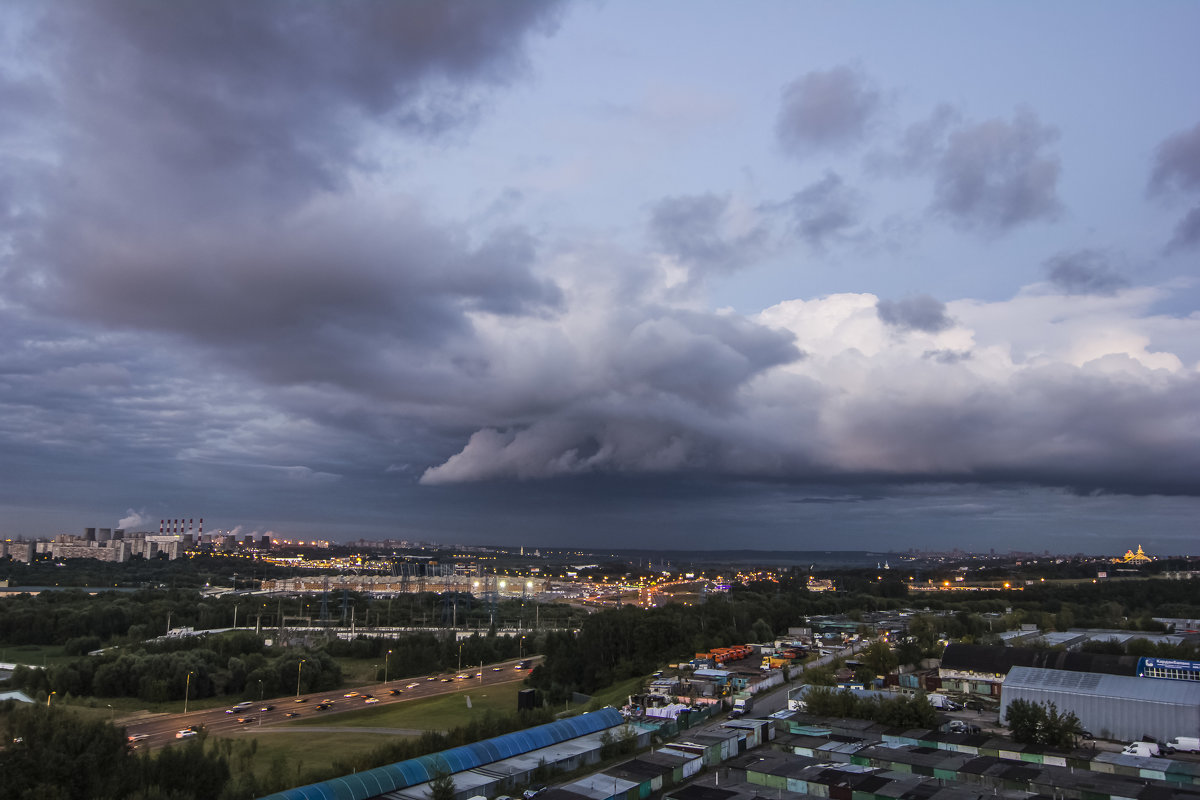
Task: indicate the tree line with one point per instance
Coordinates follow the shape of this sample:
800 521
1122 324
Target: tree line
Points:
904 711
237 665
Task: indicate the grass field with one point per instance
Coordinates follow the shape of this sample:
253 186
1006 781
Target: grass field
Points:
294 753
34 655
294 750
431 713
616 695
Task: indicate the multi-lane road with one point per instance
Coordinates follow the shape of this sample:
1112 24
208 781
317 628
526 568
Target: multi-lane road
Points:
160 729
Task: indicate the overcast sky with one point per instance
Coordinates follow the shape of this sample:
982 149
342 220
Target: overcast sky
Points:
788 275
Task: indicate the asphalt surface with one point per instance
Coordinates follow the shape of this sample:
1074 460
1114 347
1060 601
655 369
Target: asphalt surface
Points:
159 730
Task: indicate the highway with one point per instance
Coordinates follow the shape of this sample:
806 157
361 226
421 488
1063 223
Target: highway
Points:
159 730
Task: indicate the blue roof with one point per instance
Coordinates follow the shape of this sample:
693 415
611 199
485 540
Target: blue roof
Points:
373 782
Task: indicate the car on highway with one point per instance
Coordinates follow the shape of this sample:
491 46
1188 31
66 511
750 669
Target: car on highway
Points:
497 669
267 708
412 686
394 691
350 694
292 714
445 680
323 706
371 700
186 733
300 700
461 677
246 720
138 737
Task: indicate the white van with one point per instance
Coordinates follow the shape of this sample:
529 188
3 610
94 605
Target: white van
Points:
1184 744
1144 749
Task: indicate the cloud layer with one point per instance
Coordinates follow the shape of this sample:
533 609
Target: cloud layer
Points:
225 263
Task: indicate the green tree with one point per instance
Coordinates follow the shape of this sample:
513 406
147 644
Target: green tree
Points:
442 787
1024 719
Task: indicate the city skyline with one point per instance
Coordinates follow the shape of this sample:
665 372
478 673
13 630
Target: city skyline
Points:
642 275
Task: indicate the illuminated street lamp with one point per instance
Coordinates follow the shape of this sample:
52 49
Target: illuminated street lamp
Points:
48 698
385 665
187 690
299 667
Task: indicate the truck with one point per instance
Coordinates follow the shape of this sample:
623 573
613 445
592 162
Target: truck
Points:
1184 744
1143 749
940 701
742 706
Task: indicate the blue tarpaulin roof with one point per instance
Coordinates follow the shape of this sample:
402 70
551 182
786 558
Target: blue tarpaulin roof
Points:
372 782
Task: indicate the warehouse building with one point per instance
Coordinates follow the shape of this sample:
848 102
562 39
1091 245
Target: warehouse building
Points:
1111 706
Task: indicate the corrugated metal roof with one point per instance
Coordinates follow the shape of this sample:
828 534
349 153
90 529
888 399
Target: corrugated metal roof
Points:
372 782
1098 685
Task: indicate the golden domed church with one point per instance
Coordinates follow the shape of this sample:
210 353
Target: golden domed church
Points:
1135 558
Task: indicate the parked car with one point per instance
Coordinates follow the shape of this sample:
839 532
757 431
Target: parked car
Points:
532 792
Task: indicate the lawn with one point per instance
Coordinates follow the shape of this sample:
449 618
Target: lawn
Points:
616 695
431 713
34 655
293 754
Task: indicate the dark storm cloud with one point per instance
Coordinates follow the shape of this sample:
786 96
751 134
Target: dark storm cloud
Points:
194 179
824 211
661 399
921 144
919 313
1177 163
691 228
826 110
1176 173
1084 272
271 95
997 175
1187 232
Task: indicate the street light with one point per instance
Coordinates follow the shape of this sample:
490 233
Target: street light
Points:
48 698
187 690
260 689
385 665
299 667
460 647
